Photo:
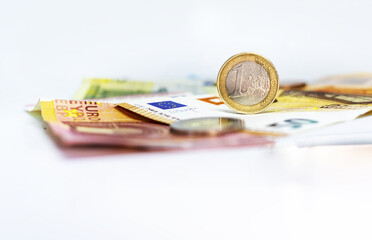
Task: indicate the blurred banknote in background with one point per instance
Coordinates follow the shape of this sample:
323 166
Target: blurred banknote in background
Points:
360 83
106 88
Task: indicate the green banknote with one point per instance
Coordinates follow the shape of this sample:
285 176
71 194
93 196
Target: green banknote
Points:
106 88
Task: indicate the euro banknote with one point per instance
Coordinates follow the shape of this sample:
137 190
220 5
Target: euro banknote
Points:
87 123
65 111
107 88
292 112
360 83
299 100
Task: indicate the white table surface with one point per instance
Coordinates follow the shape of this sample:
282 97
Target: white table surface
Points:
283 192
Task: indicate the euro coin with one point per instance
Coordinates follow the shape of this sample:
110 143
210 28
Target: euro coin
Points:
207 126
247 83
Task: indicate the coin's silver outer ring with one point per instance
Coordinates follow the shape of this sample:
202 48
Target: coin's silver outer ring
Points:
178 128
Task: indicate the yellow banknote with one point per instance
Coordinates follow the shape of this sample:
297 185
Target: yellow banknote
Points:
297 100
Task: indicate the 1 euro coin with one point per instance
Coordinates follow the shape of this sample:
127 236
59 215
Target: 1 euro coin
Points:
247 83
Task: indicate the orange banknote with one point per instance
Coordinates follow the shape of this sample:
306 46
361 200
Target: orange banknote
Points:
87 123
360 83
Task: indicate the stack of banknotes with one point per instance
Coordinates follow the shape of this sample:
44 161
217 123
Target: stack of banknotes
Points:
137 114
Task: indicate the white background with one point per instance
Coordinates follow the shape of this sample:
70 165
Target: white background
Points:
47 47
